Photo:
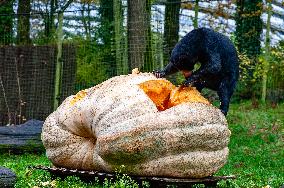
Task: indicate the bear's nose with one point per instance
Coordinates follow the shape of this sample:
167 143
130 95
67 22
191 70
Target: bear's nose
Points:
186 73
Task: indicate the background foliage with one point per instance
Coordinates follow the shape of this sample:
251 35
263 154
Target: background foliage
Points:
112 37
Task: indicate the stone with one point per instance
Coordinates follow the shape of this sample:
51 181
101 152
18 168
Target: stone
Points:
7 178
22 138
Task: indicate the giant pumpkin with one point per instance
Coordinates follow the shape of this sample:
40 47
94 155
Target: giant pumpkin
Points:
146 124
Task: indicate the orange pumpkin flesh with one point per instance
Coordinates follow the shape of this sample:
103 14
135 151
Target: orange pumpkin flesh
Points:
158 91
185 94
166 95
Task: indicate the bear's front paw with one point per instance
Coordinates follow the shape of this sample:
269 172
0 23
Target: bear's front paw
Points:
187 83
159 74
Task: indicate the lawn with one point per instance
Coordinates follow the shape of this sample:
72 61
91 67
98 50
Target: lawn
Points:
256 146
256 154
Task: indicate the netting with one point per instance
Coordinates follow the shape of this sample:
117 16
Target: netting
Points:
106 38
27 81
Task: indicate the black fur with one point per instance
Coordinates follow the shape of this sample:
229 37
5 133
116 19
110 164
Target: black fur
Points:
217 55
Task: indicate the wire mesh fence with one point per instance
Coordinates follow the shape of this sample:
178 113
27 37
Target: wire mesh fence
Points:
27 81
106 38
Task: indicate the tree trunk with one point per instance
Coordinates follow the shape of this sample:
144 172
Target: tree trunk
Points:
59 63
249 27
86 20
49 21
267 52
148 64
107 35
136 32
6 22
121 63
196 9
248 31
23 27
171 35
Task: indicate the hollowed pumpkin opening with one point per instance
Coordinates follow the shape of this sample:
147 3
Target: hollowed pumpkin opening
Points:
166 95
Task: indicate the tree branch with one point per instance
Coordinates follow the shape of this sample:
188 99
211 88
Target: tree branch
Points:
65 6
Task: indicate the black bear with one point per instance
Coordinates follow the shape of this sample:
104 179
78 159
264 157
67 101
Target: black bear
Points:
217 55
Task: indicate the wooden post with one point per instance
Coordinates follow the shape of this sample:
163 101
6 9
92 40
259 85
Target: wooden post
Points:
59 63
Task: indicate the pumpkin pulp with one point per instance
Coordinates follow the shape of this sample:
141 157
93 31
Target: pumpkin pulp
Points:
166 95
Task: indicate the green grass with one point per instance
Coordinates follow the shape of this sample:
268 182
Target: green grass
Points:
41 179
256 146
256 154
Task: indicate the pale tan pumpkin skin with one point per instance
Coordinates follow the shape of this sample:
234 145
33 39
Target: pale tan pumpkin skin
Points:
115 123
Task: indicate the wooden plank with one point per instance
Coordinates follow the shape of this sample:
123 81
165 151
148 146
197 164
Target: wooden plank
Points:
154 181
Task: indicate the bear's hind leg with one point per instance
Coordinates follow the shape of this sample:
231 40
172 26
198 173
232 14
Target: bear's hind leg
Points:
225 92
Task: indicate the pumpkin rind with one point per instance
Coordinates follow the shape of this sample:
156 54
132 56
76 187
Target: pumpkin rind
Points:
115 123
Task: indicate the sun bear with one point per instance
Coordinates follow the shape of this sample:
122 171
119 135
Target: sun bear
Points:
218 58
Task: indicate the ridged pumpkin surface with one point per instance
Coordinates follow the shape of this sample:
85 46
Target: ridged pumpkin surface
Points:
128 120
